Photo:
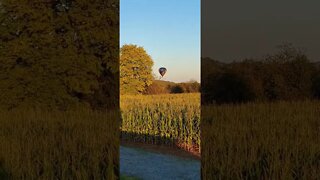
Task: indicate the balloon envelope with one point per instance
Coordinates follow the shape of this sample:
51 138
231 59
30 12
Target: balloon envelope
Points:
162 71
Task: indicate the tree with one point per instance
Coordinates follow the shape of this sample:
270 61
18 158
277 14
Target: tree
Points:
59 53
210 69
135 69
288 74
251 71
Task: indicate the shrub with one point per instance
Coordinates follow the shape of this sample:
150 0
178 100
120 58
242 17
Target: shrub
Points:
177 89
230 88
316 86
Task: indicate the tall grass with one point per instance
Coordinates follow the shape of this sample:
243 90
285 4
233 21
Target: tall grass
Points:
261 141
162 119
80 144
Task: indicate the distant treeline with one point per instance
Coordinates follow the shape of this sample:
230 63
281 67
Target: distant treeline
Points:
166 87
285 75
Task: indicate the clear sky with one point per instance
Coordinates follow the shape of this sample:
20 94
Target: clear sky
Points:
169 30
234 30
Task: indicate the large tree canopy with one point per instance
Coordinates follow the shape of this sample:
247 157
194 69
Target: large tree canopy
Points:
135 69
59 53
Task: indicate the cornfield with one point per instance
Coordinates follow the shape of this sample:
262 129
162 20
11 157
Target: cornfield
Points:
170 119
80 144
279 140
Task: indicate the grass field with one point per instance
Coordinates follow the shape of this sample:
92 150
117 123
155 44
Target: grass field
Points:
168 119
78 144
261 141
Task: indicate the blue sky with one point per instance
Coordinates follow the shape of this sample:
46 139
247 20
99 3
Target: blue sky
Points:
169 30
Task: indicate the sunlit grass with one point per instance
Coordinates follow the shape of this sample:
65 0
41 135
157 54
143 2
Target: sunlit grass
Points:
162 119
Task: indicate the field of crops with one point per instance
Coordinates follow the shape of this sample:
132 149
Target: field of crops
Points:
261 141
170 119
78 144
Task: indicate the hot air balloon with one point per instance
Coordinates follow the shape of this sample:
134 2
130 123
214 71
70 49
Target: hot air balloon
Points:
162 71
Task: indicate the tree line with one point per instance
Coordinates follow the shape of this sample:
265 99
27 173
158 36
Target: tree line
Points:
287 75
165 87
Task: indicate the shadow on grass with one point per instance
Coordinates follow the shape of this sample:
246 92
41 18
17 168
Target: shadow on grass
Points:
3 174
124 177
160 144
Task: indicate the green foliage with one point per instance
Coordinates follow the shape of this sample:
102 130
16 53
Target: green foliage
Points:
135 69
58 58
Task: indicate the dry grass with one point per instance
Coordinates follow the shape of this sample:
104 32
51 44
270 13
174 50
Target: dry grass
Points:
261 141
78 144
